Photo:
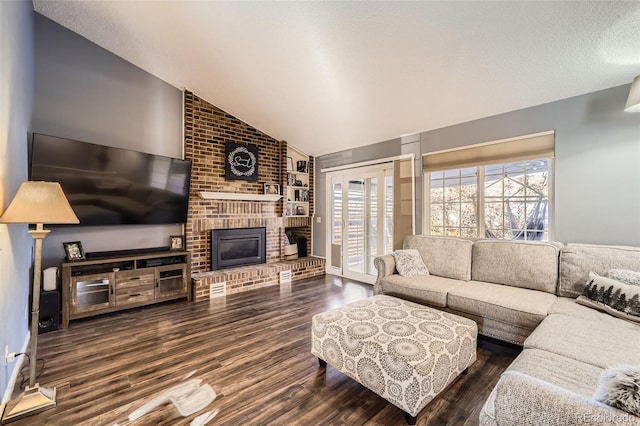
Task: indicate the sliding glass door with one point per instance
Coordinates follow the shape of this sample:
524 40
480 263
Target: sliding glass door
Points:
361 225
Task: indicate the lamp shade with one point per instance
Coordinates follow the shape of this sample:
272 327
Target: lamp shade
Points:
39 202
633 101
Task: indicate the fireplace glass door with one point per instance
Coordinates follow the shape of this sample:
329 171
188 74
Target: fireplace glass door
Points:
237 247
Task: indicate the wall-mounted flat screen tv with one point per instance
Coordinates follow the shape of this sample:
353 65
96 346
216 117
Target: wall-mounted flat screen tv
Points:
113 186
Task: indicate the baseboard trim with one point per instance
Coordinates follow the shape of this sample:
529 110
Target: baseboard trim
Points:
6 396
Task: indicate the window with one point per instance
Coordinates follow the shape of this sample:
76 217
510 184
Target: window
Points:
505 194
515 201
453 202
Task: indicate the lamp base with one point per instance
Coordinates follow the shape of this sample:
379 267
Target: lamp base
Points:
33 400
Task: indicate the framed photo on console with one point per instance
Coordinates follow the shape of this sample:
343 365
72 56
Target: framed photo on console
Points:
74 250
177 242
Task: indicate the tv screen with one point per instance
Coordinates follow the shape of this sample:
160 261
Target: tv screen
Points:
113 186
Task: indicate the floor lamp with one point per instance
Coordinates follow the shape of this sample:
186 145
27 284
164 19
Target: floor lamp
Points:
36 203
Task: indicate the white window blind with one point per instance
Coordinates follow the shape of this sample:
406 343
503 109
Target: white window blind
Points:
540 145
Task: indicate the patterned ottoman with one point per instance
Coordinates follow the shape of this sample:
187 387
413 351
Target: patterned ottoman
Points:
405 352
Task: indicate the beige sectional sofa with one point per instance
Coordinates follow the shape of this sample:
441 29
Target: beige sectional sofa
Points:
524 293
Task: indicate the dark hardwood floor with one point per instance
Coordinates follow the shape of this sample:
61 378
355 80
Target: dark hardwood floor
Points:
253 348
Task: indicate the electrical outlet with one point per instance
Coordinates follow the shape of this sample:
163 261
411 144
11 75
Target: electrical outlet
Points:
9 357
318 219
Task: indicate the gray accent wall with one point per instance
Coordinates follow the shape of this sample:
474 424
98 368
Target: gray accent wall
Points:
87 93
16 245
597 163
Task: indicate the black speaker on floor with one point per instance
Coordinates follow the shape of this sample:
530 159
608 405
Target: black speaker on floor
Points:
49 318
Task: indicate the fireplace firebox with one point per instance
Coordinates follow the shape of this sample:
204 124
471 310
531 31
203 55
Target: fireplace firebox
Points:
231 248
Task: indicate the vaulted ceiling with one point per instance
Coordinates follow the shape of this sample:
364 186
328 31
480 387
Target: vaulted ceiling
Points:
327 76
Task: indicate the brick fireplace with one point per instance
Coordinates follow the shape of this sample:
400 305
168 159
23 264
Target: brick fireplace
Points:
207 129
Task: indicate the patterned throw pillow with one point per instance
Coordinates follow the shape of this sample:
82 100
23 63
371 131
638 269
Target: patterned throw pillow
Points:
620 387
409 263
611 296
625 275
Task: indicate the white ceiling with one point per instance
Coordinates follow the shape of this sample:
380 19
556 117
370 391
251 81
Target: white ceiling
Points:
327 76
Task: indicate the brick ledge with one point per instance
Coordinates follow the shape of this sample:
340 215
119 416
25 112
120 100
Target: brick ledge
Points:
255 276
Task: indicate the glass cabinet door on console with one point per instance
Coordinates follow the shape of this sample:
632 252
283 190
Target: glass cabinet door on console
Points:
92 292
171 281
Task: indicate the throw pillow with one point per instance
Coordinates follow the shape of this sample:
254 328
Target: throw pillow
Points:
611 296
620 388
409 263
625 275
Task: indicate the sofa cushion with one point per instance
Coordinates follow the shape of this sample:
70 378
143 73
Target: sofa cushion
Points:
570 374
603 344
409 263
577 260
572 308
444 256
527 401
625 275
564 372
526 264
518 306
428 289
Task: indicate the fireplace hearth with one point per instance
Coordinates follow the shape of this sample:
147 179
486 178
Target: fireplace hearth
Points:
232 248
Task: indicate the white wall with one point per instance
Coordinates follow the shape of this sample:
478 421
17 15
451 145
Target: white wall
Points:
16 100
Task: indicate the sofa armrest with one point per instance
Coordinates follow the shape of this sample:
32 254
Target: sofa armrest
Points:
386 265
520 397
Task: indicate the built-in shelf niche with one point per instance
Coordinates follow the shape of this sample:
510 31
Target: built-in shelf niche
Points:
297 190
